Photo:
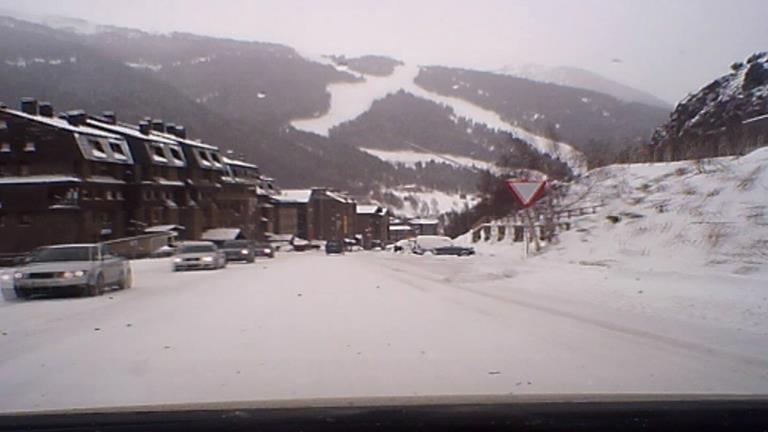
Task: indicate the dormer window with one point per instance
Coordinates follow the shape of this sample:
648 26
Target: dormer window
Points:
158 154
29 146
118 150
204 158
5 147
216 160
178 158
97 148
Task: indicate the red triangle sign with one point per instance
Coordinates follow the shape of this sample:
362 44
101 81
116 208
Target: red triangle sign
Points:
527 192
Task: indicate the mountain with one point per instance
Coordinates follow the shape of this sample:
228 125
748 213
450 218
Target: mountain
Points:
582 78
732 98
252 97
585 119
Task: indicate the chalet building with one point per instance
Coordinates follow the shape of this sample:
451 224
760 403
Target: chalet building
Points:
400 231
739 139
315 214
293 215
425 226
156 189
334 213
73 178
60 179
265 192
203 182
372 225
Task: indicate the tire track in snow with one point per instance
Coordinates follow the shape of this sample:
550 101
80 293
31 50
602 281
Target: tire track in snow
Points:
414 276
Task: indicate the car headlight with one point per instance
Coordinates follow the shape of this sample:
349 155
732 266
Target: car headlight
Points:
5 277
266 251
67 275
244 251
18 275
208 259
177 260
80 273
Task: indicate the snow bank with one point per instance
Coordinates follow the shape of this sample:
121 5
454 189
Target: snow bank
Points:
410 158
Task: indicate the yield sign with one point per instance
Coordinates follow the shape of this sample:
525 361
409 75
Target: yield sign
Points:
527 192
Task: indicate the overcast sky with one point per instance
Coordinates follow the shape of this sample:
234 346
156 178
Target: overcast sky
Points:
667 47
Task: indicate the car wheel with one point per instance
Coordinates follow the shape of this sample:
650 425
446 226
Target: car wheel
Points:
98 287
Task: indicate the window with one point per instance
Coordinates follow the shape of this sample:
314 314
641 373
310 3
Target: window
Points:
3 124
2 220
5 147
97 148
158 154
29 146
110 196
23 169
118 150
204 158
176 155
25 220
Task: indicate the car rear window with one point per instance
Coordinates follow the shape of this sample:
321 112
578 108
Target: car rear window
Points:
197 248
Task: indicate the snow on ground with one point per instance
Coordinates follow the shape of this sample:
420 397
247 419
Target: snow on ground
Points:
410 158
383 324
349 100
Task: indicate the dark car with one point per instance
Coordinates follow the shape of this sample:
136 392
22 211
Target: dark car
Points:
262 249
239 250
334 247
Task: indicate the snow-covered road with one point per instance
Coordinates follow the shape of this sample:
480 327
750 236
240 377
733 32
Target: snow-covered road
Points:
378 324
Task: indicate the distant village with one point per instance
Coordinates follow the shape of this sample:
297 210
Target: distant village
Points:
74 177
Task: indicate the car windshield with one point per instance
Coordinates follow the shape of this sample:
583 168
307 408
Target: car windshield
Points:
57 254
197 248
381 199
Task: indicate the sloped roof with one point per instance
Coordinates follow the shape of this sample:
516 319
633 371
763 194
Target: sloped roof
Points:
371 209
60 124
221 234
126 129
240 163
300 196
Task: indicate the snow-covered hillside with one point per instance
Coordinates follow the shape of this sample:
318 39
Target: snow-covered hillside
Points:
349 100
419 201
581 78
708 217
410 158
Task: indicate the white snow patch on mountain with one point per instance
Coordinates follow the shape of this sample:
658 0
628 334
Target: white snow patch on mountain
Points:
410 158
350 100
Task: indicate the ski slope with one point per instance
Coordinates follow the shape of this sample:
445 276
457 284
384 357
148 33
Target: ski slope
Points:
350 100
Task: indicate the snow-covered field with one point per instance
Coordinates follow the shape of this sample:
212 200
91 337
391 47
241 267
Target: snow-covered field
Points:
410 158
378 324
349 100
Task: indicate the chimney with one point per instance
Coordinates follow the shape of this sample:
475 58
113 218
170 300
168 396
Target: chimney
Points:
180 132
76 117
109 116
29 105
45 109
158 125
144 127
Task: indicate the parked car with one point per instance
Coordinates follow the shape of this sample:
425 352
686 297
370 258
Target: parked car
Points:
74 269
239 250
439 245
264 249
199 255
334 247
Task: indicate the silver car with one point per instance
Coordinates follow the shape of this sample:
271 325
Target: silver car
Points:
74 269
199 255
